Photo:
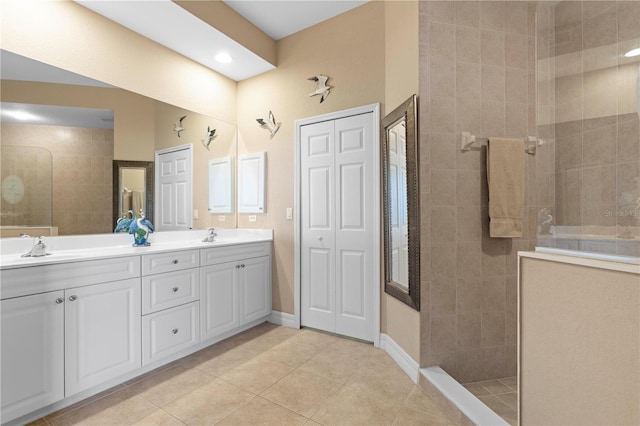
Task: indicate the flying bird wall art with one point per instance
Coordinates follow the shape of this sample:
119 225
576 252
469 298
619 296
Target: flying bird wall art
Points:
177 126
270 124
322 89
208 137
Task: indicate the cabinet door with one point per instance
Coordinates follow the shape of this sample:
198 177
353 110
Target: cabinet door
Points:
256 287
219 299
102 332
32 353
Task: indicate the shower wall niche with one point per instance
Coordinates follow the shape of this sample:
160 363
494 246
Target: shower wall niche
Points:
587 107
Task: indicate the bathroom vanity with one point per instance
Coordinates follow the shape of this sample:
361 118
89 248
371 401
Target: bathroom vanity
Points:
98 312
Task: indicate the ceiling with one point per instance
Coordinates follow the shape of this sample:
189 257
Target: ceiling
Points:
168 24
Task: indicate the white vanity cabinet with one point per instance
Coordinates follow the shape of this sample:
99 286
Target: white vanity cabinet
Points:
32 352
235 287
170 303
83 332
102 333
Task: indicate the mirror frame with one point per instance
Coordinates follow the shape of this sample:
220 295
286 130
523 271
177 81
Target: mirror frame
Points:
149 178
408 111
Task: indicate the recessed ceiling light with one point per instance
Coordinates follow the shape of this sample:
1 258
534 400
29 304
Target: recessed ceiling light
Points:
223 58
633 52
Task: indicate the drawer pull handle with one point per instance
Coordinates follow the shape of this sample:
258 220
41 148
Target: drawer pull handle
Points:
72 298
175 289
59 300
174 331
174 261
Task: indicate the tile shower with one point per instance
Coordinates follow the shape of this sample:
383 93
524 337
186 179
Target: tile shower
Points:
78 163
555 70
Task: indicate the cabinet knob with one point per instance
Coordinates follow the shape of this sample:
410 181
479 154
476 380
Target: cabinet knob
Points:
175 289
59 300
174 331
237 266
174 261
72 298
319 238
242 266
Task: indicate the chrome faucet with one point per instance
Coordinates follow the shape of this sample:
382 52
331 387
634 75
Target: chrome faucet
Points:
211 236
39 248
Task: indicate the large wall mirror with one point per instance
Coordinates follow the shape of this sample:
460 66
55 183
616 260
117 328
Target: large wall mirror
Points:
401 204
73 184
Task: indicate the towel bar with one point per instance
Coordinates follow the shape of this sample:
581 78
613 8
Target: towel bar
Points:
532 143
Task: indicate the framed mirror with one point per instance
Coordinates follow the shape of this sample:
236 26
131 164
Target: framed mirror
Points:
132 188
401 204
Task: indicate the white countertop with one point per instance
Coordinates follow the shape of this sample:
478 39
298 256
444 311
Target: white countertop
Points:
66 249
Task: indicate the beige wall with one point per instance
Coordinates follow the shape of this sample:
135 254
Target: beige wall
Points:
476 74
354 61
580 332
401 55
96 49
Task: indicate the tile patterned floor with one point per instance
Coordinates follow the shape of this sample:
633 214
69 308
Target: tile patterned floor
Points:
500 395
266 375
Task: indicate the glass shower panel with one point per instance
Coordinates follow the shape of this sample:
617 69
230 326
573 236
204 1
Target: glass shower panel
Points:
588 101
26 186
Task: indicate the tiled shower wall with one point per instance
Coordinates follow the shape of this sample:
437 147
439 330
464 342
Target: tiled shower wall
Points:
477 74
81 174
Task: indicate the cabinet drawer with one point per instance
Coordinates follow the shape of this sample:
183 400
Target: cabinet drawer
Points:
169 331
168 262
40 279
170 289
215 255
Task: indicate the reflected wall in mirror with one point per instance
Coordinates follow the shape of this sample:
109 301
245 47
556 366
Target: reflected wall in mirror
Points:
132 188
141 126
69 186
401 204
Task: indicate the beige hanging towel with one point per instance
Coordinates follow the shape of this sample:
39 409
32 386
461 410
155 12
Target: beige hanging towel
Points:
506 175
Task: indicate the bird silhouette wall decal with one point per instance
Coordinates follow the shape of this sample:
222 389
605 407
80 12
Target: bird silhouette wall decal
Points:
322 89
208 137
269 124
177 126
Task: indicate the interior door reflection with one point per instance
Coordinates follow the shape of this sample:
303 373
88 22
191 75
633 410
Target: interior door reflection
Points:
398 200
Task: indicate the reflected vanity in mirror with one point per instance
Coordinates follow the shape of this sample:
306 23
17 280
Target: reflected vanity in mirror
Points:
401 204
132 188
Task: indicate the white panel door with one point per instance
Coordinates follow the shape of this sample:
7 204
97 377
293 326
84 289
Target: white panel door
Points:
102 333
337 235
174 189
32 353
317 259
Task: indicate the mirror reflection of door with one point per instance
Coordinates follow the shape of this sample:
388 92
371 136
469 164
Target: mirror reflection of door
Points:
398 204
132 196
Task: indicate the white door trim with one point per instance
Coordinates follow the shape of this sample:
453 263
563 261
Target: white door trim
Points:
156 198
372 108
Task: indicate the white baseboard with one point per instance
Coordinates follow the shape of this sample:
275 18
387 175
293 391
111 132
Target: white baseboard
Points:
403 359
282 318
